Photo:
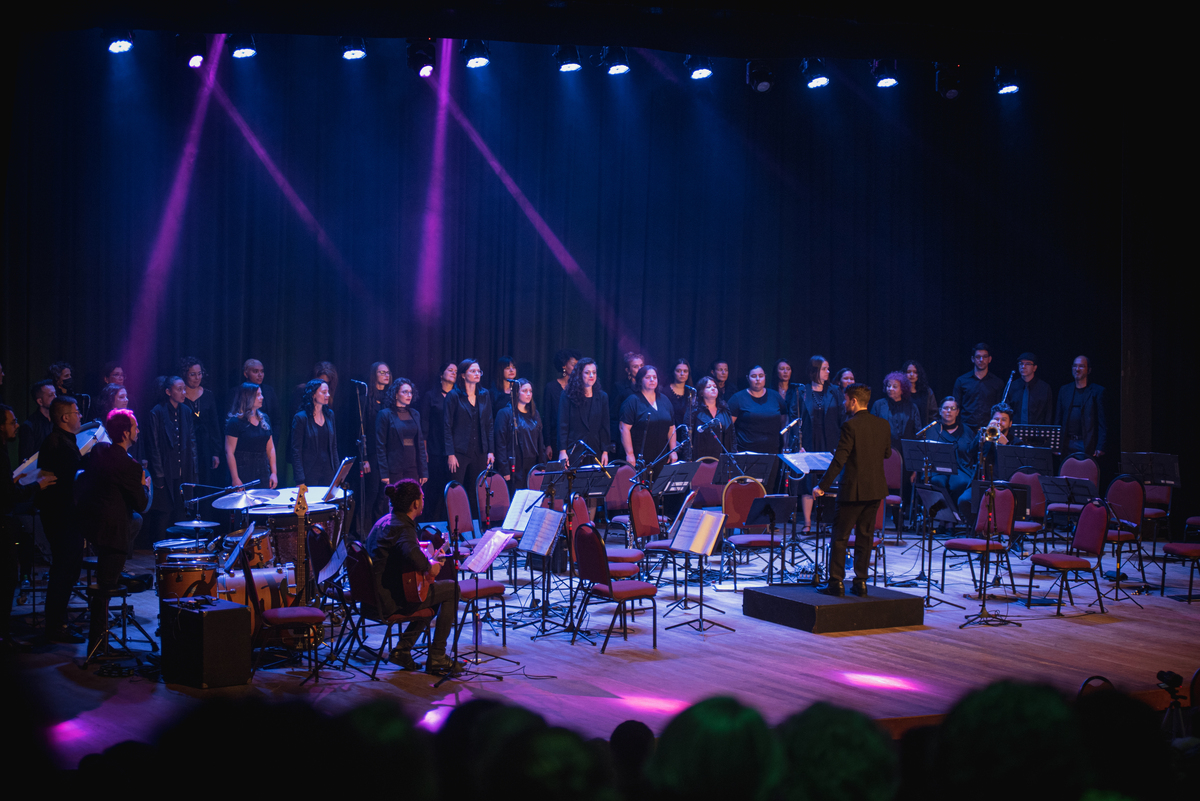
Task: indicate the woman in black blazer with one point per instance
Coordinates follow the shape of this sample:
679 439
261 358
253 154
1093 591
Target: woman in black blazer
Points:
314 437
583 416
470 448
399 444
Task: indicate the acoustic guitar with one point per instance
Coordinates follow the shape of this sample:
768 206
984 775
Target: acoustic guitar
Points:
416 585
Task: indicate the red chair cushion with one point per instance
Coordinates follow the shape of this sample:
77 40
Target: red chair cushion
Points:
973 545
1065 508
486 588
1193 521
1027 526
893 500
755 540
624 590
658 545
1119 536
1060 561
294 616
1188 550
623 570
1153 512
624 554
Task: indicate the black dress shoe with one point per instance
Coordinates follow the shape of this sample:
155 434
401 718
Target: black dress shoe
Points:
403 660
832 587
443 665
859 588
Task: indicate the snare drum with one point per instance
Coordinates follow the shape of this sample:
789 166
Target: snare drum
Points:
164 548
258 550
184 577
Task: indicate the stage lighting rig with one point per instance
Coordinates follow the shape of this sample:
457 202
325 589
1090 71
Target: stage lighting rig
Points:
1006 82
421 56
759 75
812 71
475 53
567 58
614 60
353 47
698 67
242 45
119 41
885 74
947 79
190 49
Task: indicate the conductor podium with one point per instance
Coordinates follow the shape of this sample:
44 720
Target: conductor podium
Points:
800 606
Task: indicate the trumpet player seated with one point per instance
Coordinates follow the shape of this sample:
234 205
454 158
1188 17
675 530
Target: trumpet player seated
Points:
398 560
983 450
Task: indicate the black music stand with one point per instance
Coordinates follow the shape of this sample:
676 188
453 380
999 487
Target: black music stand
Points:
540 535
744 463
554 480
483 555
1153 469
1049 437
690 540
593 481
674 479
924 457
939 507
1011 458
766 511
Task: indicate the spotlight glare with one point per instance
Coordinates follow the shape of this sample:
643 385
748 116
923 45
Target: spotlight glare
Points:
700 67
426 71
243 46
421 56
759 75
615 60
1006 82
120 41
567 58
195 62
885 76
813 73
353 47
476 53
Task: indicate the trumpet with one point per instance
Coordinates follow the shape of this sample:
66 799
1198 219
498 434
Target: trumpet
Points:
992 433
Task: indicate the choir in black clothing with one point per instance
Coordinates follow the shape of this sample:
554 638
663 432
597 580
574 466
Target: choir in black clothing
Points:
821 416
371 403
647 422
680 391
520 440
979 390
206 419
898 409
314 437
709 422
1031 400
506 374
583 416
469 438
922 394
171 448
37 426
249 444
433 426
621 390
952 430
399 448
59 455
564 364
1080 412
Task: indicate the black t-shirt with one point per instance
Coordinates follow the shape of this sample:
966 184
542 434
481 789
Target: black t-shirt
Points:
251 439
645 420
758 420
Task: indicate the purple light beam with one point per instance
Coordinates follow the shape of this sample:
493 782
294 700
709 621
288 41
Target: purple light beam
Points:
136 353
429 270
583 284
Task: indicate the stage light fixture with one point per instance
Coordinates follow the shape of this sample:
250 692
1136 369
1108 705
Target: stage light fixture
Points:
475 53
421 56
242 46
699 67
947 79
1006 82
190 49
567 58
353 47
885 75
119 41
812 70
615 60
759 75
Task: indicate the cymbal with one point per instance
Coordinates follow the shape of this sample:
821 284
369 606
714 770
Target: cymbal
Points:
195 524
244 500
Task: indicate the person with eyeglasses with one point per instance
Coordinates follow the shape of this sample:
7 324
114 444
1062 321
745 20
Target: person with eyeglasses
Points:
1031 399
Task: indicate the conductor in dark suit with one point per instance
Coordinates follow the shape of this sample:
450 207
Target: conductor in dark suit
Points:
865 443
112 492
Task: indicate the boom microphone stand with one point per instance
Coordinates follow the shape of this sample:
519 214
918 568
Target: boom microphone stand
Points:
983 617
361 403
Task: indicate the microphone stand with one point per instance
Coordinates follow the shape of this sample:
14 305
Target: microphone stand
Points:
983 617
362 454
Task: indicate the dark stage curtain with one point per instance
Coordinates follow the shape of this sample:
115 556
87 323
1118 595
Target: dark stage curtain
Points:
868 226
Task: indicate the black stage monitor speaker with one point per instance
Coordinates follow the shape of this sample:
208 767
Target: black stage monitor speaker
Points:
205 642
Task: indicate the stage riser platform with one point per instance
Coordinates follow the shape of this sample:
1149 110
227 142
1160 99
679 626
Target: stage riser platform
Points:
802 607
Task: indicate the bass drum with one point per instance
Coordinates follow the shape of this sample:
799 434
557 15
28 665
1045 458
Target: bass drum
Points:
276 587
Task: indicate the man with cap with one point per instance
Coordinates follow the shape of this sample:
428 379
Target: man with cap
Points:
1031 399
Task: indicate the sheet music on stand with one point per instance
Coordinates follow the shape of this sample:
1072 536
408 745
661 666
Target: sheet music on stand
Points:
675 478
523 503
339 478
744 463
487 549
1152 468
696 531
541 531
687 504
1039 436
804 463
941 455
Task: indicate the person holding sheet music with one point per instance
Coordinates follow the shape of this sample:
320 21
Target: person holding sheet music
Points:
583 416
952 430
710 422
647 421
521 442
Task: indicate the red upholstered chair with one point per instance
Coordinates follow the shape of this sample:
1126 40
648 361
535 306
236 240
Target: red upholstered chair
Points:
533 481
740 493
617 498
1127 501
500 499
599 584
474 590
582 517
458 511
305 622
625 521
1157 512
1076 466
707 493
364 600
1188 552
983 547
893 470
1028 477
1088 542
876 546
1191 527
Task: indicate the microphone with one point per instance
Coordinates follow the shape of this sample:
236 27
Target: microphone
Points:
926 428
785 429
356 381
709 426
585 447
682 427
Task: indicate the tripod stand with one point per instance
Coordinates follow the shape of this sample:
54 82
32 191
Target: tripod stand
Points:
985 617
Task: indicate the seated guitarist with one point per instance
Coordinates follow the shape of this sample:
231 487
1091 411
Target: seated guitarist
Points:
395 551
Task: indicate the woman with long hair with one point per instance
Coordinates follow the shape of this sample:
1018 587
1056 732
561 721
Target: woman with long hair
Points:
469 439
583 416
202 403
710 413
314 437
433 427
922 394
679 390
400 450
564 364
249 446
821 412
506 374
647 421
520 442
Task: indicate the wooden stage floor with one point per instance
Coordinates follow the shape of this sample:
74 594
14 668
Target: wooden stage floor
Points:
889 674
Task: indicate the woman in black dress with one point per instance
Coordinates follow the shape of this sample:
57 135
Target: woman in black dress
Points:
706 408
249 446
530 441
758 414
400 450
843 378
469 440
583 417
898 408
314 437
433 426
647 422
564 363
679 391
922 395
506 374
203 405
822 412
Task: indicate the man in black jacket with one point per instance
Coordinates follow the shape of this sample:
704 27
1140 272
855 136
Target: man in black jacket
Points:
60 455
395 551
112 491
173 458
1081 412
979 390
1030 398
37 426
11 493
865 443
